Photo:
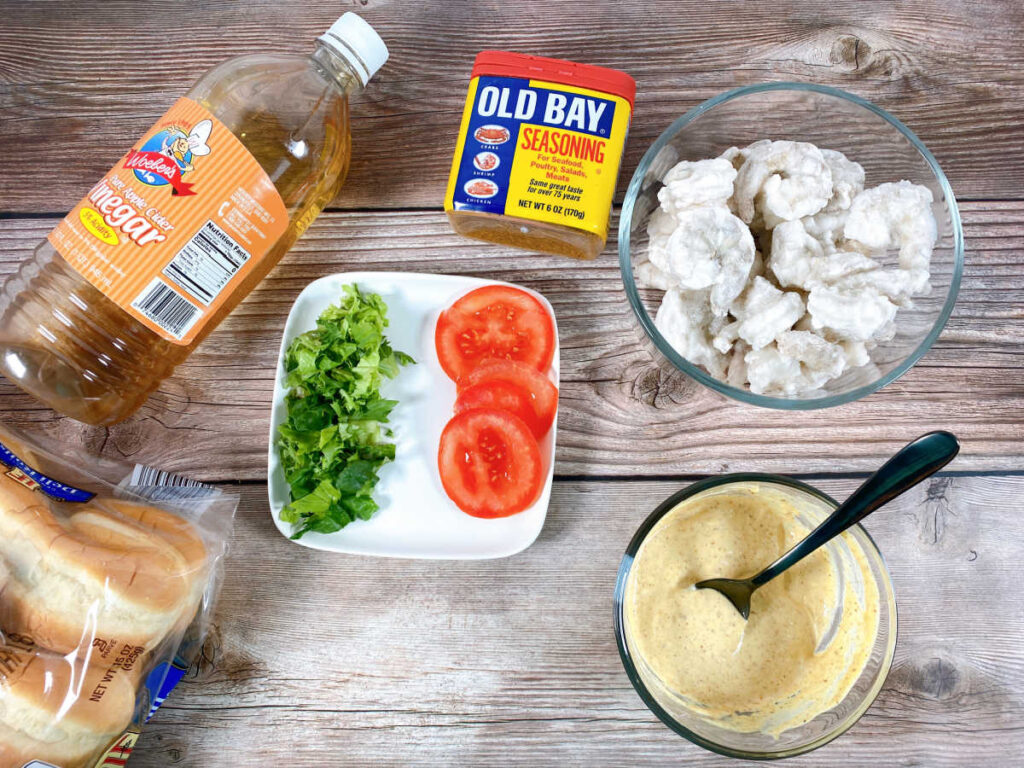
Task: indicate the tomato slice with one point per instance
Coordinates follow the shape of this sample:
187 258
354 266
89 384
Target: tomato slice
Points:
496 321
505 396
542 393
490 463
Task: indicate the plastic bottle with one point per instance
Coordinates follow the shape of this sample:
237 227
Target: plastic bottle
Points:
184 226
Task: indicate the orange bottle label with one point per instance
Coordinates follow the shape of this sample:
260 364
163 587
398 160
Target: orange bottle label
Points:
176 225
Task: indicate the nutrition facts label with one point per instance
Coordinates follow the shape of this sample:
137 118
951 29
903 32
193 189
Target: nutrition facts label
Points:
206 263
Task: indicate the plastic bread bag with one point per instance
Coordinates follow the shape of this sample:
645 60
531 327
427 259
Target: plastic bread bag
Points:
108 576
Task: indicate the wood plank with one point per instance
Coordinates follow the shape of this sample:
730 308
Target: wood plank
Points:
331 660
80 81
621 414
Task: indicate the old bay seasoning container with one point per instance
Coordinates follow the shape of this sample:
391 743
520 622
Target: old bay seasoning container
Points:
538 153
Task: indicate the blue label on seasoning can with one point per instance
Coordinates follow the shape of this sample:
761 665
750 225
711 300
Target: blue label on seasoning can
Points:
538 150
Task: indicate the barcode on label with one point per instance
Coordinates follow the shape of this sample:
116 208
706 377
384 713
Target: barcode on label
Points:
160 485
167 308
143 475
206 263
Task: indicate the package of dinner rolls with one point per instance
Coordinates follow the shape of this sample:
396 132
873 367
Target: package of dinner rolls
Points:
108 575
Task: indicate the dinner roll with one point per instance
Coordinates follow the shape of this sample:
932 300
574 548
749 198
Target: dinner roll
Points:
63 713
108 569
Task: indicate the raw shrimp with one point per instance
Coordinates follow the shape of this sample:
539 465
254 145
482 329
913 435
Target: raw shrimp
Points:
853 315
726 336
734 156
649 276
799 363
855 353
683 319
709 248
847 180
820 360
897 215
839 266
826 227
771 373
895 284
799 260
762 313
793 254
789 178
690 184
659 226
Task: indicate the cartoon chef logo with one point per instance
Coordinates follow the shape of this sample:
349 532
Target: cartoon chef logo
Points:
169 154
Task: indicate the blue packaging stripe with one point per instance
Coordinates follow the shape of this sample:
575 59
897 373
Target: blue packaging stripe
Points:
161 681
51 487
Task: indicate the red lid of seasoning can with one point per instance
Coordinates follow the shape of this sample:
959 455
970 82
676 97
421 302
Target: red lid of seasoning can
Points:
539 152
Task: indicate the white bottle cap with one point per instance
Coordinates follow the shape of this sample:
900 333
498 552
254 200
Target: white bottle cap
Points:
358 43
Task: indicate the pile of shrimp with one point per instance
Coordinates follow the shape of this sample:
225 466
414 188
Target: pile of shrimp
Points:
771 258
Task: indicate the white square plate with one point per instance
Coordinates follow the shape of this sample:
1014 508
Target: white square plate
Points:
416 518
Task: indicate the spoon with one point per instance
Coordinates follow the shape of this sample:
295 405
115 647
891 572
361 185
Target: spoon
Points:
912 464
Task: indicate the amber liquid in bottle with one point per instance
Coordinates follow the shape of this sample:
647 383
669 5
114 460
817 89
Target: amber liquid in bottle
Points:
64 342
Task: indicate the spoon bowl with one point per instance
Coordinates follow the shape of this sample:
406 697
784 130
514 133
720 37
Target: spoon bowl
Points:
913 463
736 591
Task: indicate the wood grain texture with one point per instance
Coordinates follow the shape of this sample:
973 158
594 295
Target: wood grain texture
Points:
323 660
621 414
80 81
320 660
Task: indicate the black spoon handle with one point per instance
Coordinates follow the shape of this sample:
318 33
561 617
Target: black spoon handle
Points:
917 461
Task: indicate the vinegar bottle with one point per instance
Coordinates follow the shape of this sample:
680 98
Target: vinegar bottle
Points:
184 226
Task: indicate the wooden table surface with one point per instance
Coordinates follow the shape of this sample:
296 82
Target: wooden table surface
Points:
320 660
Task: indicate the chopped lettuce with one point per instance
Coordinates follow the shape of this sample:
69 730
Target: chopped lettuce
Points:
334 440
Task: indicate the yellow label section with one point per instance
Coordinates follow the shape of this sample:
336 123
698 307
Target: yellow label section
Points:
93 221
566 177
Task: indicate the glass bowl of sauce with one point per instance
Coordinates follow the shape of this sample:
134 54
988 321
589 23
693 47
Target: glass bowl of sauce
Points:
816 649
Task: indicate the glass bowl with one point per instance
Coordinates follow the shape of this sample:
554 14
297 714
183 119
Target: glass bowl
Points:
813 506
832 119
